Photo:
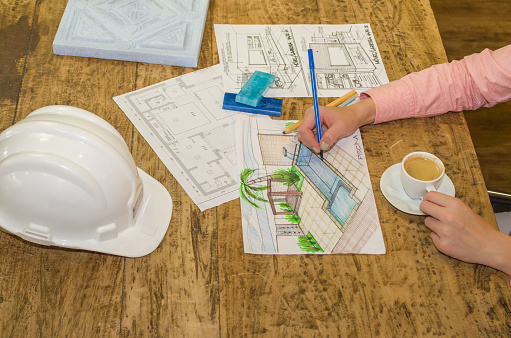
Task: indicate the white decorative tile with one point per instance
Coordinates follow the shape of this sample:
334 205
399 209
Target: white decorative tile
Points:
155 31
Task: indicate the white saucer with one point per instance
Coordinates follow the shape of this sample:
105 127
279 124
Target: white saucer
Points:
390 185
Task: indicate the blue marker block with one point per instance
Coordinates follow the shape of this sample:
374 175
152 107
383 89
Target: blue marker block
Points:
267 106
253 91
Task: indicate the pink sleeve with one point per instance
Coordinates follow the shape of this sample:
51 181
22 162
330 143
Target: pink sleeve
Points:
479 80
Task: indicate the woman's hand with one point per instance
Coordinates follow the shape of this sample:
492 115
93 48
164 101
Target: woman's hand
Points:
459 232
336 123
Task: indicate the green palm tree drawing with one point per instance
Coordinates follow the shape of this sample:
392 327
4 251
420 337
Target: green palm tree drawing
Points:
248 191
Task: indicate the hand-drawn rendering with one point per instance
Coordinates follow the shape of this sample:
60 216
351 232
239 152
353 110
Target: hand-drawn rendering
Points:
183 121
293 202
348 57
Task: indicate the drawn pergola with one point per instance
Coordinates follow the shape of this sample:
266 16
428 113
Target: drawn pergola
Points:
272 194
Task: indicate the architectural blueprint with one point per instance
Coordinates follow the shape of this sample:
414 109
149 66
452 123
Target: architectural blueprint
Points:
183 121
346 57
292 202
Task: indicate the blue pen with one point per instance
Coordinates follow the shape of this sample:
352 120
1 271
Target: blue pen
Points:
315 100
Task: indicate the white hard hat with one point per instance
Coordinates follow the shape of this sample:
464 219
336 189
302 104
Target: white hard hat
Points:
67 179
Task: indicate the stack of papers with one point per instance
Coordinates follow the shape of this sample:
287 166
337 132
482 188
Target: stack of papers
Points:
291 201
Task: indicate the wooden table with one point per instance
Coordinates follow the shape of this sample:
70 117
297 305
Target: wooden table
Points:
199 283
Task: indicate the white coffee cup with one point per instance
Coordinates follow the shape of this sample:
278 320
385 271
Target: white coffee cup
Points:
421 172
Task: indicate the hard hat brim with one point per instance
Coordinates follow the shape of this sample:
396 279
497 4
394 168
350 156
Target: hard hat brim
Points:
152 222
143 237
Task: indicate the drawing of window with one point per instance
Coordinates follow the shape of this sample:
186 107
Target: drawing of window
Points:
337 56
257 42
332 58
256 58
360 58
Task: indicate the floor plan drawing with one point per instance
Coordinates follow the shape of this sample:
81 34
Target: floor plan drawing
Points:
292 202
348 57
183 121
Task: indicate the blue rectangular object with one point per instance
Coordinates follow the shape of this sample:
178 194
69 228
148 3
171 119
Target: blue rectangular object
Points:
253 91
267 106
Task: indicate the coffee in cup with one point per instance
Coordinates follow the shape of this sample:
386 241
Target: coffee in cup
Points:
422 168
421 172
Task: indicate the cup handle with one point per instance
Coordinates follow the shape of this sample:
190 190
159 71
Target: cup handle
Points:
430 188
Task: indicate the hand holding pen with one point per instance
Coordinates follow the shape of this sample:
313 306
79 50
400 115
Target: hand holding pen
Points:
336 122
344 100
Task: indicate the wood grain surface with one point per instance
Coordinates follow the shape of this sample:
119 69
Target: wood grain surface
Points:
467 27
199 282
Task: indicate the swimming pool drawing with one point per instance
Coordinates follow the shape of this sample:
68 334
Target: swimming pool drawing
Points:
334 188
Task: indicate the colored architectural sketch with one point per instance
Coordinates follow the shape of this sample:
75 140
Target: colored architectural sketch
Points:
183 121
292 202
347 57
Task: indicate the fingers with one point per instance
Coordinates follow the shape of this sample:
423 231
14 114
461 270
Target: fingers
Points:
438 198
433 224
308 139
305 131
441 244
441 235
431 208
334 125
436 235
436 239
458 231
330 138
334 133
438 205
